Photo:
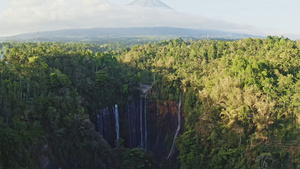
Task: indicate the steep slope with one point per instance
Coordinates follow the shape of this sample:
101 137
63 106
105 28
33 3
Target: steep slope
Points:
149 4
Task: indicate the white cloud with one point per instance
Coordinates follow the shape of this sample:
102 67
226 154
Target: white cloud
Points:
94 2
27 2
41 15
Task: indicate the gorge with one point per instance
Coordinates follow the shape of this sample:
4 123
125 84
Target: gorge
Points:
138 119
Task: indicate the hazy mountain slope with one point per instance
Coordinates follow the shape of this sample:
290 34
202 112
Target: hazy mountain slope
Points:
97 34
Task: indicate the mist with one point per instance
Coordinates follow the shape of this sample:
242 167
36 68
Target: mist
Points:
23 16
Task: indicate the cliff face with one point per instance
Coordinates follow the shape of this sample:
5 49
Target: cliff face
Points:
143 123
163 125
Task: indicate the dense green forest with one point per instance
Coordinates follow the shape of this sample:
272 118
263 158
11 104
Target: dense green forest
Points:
240 102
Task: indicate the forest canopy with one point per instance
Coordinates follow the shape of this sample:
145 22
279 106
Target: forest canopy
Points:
240 99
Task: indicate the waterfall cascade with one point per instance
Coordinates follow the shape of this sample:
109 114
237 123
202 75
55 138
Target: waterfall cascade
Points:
100 123
137 120
136 135
141 123
178 127
145 116
117 122
145 89
107 120
105 125
133 124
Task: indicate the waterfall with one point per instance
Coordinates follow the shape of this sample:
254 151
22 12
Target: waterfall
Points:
144 134
104 123
145 116
178 127
105 120
133 123
129 124
137 120
100 122
117 121
141 122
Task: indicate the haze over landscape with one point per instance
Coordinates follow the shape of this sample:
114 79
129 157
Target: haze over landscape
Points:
248 17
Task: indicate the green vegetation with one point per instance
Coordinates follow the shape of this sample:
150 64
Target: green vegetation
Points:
48 96
240 99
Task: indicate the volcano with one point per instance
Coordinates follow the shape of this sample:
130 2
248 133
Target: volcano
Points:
149 4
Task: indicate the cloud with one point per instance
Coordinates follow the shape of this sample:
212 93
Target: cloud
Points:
43 15
26 2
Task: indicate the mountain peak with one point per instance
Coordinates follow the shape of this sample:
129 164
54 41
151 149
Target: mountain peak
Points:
149 4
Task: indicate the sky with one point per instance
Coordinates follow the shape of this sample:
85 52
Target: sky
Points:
257 17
